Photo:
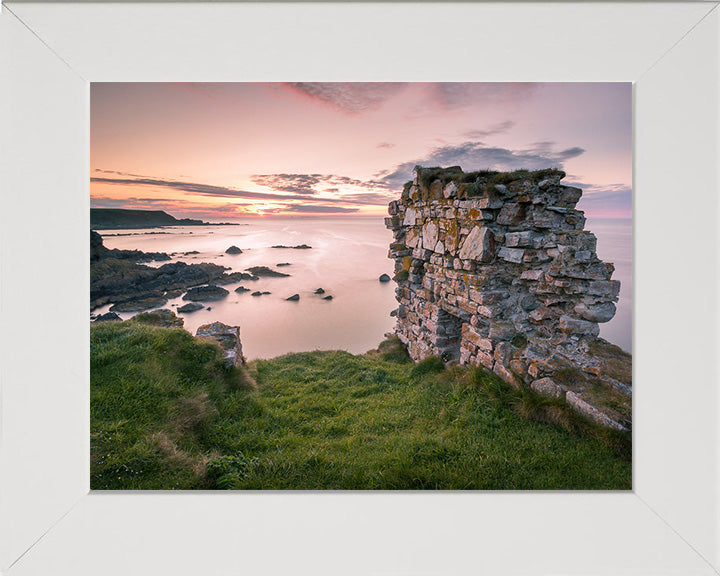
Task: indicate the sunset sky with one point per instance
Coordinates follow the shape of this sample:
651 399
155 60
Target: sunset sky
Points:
218 151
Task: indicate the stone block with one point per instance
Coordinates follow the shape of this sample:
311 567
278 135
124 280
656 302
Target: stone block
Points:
511 214
532 275
602 312
515 239
571 325
485 359
514 255
469 334
504 373
393 222
412 237
450 190
591 412
548 387
228 337
607 288
429 235
410 217
569 195
478 245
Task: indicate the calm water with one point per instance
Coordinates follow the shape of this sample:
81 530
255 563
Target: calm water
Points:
347 256
615 245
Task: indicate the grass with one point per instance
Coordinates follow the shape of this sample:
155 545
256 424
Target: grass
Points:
167 414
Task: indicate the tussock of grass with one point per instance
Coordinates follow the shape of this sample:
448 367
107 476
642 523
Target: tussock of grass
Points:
166 413
616 362
392 350
430 365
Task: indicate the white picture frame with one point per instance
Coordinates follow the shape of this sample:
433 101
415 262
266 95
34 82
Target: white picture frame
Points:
49 521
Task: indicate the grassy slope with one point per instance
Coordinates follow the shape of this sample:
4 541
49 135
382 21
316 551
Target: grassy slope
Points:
166 414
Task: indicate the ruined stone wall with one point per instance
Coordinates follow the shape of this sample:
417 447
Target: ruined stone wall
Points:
495 269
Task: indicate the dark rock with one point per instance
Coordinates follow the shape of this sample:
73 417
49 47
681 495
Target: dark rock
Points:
169 294
118 280
235 277
328 297
258 293
191 252
233 250
602 312
384 278
293 298
108 317
548 387
299 247
98 252
205 293
319 291
242 289
265 272
190 307
283 264
140 304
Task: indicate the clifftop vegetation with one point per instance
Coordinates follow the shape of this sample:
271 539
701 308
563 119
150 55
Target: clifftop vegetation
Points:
166 413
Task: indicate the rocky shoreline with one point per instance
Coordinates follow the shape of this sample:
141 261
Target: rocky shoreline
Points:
122 279
118 276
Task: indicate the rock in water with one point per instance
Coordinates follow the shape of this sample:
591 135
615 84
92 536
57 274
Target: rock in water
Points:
329 297
233 250
228 337
139 304
190 307
294 298
298 247
235 277
264 271
242 289
205 293
384 278
319 291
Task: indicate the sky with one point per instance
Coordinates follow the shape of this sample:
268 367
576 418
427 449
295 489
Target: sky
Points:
221 151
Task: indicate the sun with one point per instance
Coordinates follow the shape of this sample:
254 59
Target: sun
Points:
261 209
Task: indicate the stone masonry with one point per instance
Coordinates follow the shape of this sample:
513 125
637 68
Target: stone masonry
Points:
495 269
228 337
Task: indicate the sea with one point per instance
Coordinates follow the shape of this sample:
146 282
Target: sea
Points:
346 259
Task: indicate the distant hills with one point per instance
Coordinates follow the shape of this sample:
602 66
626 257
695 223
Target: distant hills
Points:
116 218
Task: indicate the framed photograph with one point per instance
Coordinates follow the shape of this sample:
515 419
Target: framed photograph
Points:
113 70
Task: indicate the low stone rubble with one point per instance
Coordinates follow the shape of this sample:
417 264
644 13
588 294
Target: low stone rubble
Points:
228 337
496 269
